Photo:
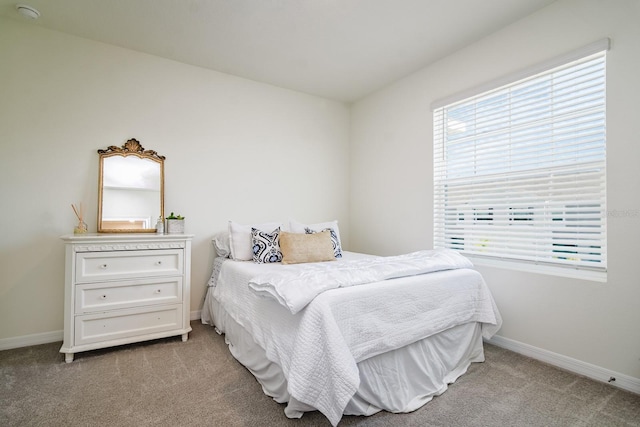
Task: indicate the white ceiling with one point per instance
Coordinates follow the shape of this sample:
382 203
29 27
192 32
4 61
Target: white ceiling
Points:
339 49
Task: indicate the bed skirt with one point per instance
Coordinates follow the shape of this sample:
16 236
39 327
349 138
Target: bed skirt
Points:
401 380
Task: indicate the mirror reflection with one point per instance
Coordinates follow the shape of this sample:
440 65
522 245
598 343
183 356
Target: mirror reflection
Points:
131 193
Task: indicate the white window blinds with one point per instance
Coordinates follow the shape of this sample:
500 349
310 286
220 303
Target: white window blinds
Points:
519 171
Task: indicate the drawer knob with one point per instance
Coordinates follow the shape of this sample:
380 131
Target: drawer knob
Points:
103 266
103 297
157 291
159 263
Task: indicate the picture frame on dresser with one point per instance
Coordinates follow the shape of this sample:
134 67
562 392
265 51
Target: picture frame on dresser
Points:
125 288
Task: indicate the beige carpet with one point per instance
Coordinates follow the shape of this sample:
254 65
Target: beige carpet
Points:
197 383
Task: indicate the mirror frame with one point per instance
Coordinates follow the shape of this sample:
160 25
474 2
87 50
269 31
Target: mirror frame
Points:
130 148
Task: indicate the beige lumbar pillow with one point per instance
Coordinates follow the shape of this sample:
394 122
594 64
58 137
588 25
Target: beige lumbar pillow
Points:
299 247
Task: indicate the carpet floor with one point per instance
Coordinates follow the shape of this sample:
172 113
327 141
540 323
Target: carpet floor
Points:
198 383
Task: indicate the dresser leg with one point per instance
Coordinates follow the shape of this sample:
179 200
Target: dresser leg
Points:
68 357
185 337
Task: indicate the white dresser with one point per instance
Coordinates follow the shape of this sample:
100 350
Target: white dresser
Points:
125 288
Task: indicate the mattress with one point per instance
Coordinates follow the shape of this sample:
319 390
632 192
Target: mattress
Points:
325 357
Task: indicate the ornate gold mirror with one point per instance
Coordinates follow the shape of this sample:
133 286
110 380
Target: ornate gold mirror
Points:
130 189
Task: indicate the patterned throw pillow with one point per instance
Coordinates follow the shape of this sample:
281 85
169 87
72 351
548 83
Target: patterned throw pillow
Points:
240 239
337 250
265 246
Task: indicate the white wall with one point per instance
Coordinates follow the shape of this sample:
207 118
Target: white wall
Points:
235 149
391 180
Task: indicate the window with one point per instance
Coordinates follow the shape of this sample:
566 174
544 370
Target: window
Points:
519 170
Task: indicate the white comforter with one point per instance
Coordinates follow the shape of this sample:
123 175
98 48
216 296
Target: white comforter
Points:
295 286
319 346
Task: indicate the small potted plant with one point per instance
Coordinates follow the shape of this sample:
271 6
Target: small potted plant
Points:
175 224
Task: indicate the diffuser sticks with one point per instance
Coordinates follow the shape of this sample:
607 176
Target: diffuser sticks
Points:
81 228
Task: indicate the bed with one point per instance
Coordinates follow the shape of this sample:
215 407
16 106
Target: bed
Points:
353 336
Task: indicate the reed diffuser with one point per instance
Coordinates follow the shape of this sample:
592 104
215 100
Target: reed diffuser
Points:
81 228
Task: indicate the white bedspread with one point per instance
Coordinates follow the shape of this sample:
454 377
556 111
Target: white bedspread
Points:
295 286
319 346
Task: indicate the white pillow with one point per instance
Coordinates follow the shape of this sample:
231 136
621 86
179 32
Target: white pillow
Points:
298 227
240 238
221 244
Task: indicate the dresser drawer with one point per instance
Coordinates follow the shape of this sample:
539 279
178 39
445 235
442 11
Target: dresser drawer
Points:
102 296
101 266
99 327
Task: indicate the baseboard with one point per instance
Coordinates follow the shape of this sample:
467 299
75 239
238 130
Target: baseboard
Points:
195 315
579 367
27 340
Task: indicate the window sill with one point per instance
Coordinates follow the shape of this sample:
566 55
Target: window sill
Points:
573 273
